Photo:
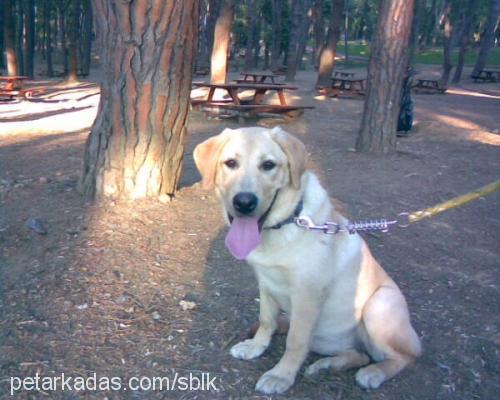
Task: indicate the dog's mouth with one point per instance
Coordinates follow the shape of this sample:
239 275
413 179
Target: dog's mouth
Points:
245 233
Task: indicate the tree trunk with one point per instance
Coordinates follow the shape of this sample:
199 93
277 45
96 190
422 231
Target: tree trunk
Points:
464 39
415 29
251 19
298 35
136 145
277 10
327 56
448 40
73 33
19 35
386 71
62 40
218 61
29 35
488 39
207 32
2 42
9 37
86 38
319 31
48 40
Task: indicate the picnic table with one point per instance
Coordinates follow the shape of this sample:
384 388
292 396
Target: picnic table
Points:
349 83
343 74
12 86
252 105
257 77
487 75
430 84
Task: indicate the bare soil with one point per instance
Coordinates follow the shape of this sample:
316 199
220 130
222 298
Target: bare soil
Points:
101 292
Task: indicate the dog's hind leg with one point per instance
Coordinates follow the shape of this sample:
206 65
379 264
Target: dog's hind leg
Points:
342 361
388 336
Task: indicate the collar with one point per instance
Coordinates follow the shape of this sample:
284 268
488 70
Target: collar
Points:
290 219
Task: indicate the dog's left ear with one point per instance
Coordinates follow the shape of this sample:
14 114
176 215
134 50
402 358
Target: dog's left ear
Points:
295 152
206 155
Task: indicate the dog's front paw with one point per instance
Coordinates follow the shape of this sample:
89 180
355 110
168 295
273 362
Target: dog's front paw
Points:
370 377
271 382
247 350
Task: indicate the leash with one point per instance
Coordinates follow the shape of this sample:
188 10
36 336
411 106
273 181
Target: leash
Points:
404 219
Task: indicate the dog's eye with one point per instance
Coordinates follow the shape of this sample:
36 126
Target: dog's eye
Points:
268 165
231 163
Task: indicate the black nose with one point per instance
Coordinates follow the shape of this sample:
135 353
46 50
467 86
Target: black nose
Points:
245 203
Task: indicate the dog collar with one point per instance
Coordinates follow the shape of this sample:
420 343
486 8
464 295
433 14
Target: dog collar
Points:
291 219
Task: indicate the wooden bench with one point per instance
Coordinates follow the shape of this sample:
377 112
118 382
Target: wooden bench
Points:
258 77
350 84
256 109
430 85
12 87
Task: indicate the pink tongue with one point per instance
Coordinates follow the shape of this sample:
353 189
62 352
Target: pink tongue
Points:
243 237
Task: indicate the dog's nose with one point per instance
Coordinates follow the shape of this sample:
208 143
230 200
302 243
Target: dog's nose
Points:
245 202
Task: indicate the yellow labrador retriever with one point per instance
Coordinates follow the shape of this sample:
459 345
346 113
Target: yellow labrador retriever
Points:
339 301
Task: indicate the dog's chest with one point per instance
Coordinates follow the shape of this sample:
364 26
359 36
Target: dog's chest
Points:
276 281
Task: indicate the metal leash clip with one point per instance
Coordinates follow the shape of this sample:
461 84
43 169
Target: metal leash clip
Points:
332 228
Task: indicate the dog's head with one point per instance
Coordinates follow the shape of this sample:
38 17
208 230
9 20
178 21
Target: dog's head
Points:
248 167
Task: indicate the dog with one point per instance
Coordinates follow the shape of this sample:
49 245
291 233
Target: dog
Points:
339 301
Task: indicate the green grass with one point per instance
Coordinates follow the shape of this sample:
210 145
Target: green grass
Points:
427 56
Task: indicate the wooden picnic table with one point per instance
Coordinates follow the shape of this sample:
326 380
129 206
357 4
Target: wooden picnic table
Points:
257 77
12 86
349 84
487 75
428 83
343 74
253 104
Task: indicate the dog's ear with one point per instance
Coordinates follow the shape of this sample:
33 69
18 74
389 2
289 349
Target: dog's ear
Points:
295 152
206 155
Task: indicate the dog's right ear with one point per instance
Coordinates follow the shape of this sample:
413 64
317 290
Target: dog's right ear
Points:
206 156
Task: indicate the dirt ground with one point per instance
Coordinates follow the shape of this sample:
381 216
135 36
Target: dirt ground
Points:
102 292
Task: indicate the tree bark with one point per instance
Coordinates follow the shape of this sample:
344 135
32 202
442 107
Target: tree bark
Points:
73 33
464 39
136 145
488 39
9 38
327 56
86 38
319 31
386 71
449 35
251 19
48 39
29 37
207 32
62 40
218 60
277 10
19 35
298 35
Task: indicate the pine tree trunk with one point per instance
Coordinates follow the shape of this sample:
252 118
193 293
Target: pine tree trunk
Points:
9 37
464 39
62 32
298 35
319 31
86 39
73 34
251 19
488 39
218 60
327 56
448 41
277 10
19 35
136 145
207 32
2 43
48 39
386 71
29 41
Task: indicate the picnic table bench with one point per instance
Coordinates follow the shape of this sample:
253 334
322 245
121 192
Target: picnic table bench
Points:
487 75
343 74
12 86
429 84
252 105
257 77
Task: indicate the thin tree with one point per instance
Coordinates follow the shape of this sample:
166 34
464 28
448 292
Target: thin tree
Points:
86 42
386 71
47 11
9 38
465 37
319 31
450 33
277 11
29 37
488 37
136 145
299 27
73 34
327 56
220 51
252 33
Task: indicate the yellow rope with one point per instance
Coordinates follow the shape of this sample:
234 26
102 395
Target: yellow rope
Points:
455 202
